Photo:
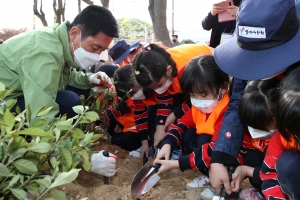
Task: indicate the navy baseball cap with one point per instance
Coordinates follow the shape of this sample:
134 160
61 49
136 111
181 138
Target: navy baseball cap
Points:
121 50
266 40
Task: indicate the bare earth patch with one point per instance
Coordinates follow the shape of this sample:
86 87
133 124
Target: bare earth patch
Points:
171 186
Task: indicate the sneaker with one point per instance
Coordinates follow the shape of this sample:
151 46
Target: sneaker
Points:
175 154
208 193
136 153
250 194
201 181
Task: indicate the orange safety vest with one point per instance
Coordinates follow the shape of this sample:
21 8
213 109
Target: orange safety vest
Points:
181 55
208 126
128 120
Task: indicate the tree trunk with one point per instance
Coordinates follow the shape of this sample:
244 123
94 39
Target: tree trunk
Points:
59 11
40 14
105 3
89 2
79 6
157 10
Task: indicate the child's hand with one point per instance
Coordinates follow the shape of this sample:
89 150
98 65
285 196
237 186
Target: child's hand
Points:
118 129
167 165
170 120
165 152
145 149
159 135
241 172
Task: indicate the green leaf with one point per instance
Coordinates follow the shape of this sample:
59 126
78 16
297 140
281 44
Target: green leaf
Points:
2 86
41 147
14 180
40 123
91 115
4 171
87 166
9 120
63 125
58 195
95 137
10 103
57 134
65 177
43 112
17 143
34 131
32 189
66 157
53 162
20 194
78 109
44 182
88 137
16 153
25 166
77 133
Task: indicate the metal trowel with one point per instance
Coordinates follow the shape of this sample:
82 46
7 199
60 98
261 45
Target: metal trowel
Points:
145 179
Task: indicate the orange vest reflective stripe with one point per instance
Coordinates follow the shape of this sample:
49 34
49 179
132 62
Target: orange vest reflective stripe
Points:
181 55
208 126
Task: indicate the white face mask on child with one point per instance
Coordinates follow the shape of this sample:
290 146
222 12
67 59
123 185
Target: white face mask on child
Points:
139 95
205 106
260 134
164 88
83 58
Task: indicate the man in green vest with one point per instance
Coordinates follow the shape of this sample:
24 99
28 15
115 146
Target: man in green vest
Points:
41 66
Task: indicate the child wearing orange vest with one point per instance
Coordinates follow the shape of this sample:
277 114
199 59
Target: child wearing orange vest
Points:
132 129
207 86
160 70
256 110
280 171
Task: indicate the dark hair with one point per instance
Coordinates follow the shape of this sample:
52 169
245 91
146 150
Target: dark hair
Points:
124 81
202 76
94 19
288 107
108 68
151 65
257 105
175 36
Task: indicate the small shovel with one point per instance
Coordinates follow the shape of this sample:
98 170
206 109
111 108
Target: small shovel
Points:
223 193
145 179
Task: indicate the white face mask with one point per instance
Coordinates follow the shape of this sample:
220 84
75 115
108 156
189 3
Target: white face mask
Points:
259 134
139 95
83 58
205 106
164 88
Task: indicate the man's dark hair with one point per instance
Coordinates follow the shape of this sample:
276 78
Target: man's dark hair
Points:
175 36
94 19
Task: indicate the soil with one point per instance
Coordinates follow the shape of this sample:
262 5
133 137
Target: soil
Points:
171 186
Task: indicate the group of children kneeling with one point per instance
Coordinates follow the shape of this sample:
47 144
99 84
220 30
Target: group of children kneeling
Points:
177 98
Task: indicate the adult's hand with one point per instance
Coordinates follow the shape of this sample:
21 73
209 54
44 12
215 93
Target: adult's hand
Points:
216 9
103 165
100 79
232 10
218 176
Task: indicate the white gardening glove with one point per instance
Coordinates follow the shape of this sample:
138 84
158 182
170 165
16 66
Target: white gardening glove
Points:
99 79
103 165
